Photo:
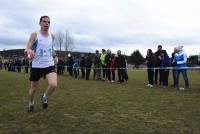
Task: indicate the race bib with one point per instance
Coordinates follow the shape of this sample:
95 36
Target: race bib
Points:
45 52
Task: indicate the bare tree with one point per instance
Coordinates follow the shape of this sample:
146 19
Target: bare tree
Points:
59 39
69 42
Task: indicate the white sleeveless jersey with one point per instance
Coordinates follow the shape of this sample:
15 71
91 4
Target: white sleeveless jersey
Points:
43 48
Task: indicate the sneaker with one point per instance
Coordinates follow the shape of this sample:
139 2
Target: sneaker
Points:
181 88
44 102
148 85
151 86
164 87
187 87
108 81
30 108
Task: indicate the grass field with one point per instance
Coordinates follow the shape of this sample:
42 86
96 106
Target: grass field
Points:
94 107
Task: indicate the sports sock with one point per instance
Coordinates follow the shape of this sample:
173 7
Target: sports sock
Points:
45 95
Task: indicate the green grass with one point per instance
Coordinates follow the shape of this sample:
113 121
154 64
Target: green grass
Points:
93 107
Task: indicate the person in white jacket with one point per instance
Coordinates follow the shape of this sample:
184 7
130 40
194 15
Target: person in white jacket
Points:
180 62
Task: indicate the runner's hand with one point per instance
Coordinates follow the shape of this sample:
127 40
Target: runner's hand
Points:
29 53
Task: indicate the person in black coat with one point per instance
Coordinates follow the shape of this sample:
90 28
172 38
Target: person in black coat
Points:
121 66
108 61
97 66
150 61
82 65
88 65
158 64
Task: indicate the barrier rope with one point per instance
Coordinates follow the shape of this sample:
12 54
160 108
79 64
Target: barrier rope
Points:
96 68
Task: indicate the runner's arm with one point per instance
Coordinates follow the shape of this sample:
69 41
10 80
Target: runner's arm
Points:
28 51
31 41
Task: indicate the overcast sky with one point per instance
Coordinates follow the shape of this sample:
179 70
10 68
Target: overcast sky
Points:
111 24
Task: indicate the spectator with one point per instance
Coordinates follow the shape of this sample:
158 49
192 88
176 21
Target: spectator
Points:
108 61
113 67
19 65
70 63
82 65
76 67
97 66
165 71
103 64
150 61
121 65
158 65
180 60
173 65
88 65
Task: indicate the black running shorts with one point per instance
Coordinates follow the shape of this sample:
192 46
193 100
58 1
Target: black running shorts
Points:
37 73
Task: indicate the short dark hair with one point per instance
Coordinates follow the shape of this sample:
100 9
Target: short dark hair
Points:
159 46
150 51
164 52
45 16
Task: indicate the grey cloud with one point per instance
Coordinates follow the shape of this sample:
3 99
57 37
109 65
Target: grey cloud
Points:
124 25
12 41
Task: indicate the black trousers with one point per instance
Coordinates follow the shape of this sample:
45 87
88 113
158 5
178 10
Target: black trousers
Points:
113 74
109 74
173 76
126 75
158 71
88 73
121 75
83 72
165 77
104 70
59 69
150 76
26 69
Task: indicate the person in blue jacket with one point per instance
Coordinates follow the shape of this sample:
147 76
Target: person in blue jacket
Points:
70 64
165 70
180 60
75 67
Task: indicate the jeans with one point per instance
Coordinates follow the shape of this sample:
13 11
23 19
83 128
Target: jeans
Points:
184 73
